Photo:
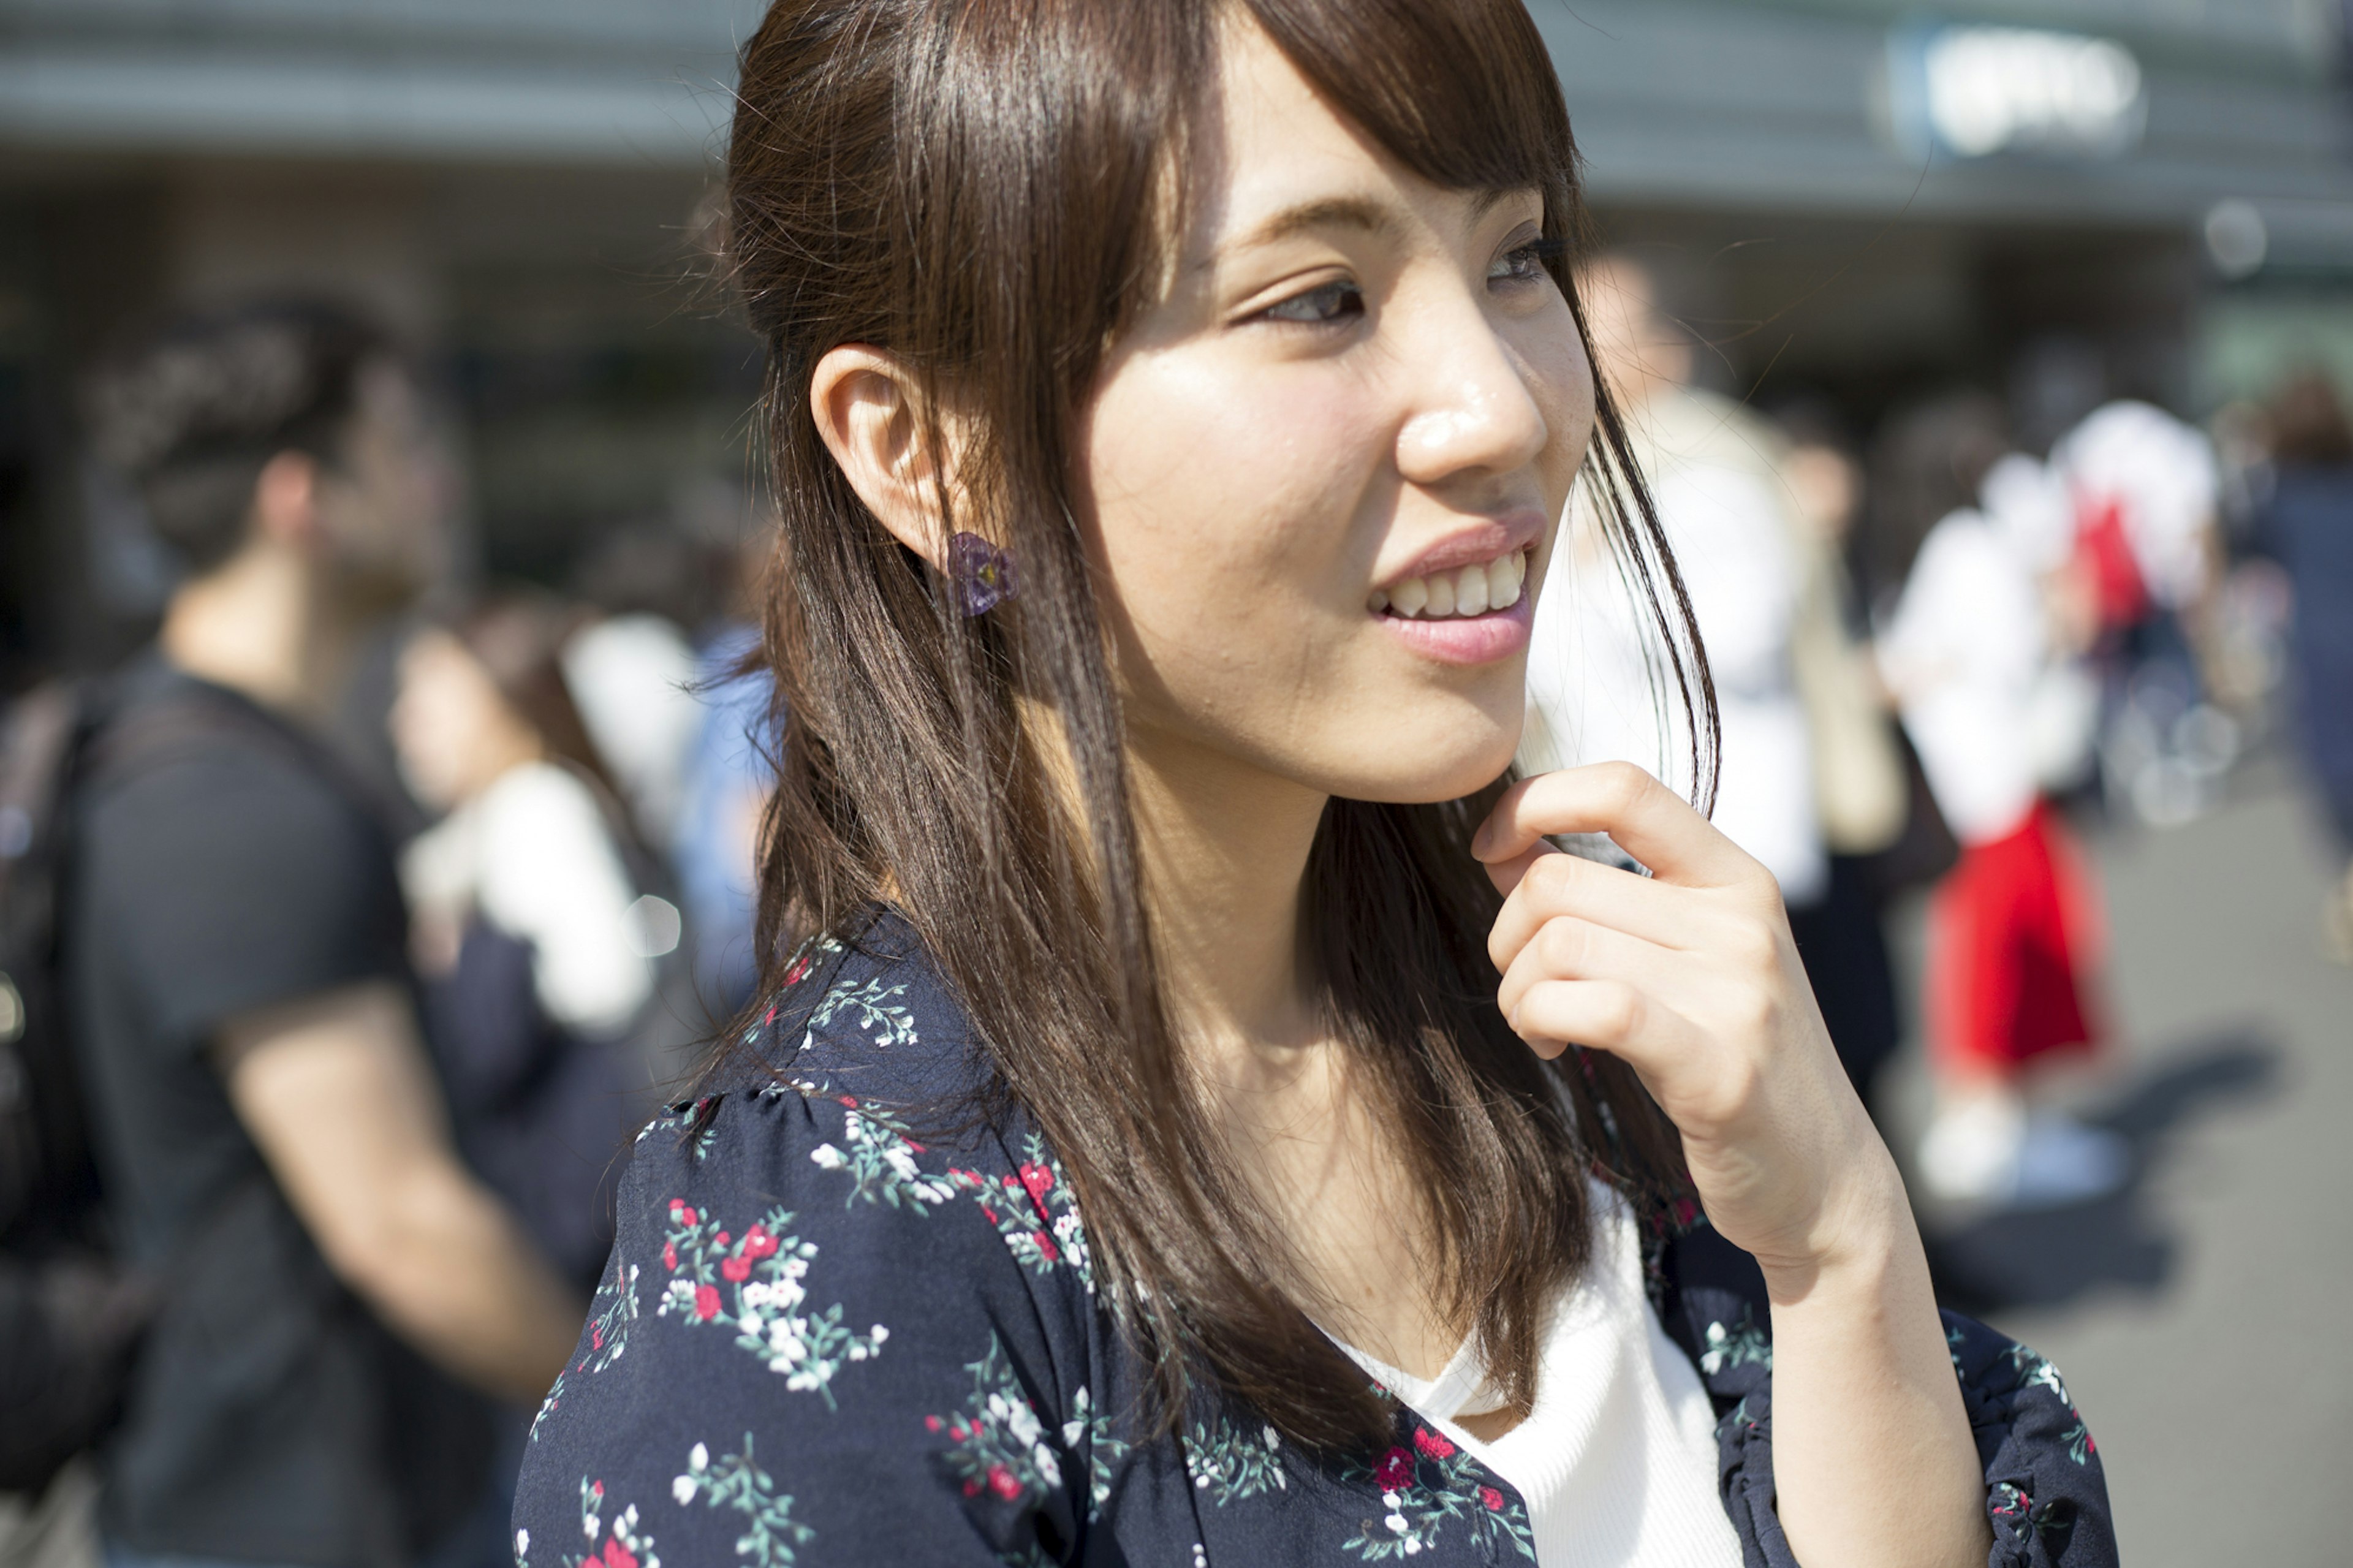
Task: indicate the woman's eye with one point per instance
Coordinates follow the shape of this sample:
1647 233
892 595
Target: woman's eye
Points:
1524 264
1332 303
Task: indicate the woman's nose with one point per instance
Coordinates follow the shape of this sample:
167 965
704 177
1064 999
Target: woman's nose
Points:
1473 410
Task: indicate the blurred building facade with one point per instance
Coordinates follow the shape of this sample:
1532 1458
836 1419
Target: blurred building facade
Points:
1847 198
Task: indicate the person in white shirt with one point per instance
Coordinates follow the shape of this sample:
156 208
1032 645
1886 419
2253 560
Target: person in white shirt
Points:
1711 469
529 929
2014 926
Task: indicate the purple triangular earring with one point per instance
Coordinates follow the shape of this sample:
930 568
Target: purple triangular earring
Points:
981 572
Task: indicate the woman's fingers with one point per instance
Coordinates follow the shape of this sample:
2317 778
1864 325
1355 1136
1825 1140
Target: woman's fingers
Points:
1603 1015
1567 948
1647 820
1558 884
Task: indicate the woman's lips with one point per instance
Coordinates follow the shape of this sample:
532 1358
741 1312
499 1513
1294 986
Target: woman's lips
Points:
1466 639
1446 616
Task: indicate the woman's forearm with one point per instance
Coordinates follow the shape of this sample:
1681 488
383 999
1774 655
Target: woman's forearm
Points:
1873 1460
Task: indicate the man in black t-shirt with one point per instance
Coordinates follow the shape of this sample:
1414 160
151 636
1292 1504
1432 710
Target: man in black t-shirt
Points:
273 1143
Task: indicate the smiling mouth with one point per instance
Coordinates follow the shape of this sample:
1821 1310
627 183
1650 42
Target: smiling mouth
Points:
1457 595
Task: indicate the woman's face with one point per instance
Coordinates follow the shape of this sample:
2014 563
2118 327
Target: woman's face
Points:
1323 471
454 731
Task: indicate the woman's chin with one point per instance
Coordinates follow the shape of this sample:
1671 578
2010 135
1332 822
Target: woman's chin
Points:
1407 771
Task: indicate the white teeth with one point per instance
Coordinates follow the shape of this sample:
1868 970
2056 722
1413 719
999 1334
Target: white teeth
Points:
1502 586
1470 591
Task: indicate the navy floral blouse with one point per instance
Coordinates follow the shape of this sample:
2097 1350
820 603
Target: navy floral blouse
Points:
825 1337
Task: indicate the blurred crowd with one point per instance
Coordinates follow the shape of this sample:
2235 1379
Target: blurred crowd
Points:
1942 646
353 930
396 902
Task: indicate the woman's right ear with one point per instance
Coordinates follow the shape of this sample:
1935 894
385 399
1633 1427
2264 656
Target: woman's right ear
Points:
871 414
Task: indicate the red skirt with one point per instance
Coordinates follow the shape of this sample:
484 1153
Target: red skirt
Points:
2014 930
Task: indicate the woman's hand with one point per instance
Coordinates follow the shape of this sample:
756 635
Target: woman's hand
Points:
1691 975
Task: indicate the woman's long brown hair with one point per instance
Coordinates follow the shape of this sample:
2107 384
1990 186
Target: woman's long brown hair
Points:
988 189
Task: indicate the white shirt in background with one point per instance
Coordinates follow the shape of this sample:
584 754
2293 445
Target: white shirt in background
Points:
1616 1462
2163 474
632 679
1963 651
534 855
1598 690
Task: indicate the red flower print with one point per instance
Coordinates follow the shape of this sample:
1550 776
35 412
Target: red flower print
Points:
596 1336
850 1101
1039 1180
684 1214
931 1423
1395 1470
1045 1246
676 1205
706 1301
795 974
1001 1482
1431 1445
596 1489
670 1255
722 1238
737 1269
758 1243
1492 1499
617 1555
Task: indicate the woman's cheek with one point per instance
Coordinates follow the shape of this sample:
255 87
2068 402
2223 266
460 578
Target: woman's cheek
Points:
1223 492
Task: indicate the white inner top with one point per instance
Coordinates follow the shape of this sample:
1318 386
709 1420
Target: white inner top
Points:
1617 1461
534 855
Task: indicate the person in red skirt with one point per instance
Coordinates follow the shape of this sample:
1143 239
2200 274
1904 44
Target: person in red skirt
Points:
2014 930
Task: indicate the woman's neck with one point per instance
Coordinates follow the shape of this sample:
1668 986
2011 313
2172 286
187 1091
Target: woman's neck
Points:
1225 852
1225 849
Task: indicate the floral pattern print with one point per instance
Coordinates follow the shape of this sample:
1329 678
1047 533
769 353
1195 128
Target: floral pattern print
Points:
2034 1371
625 1546
791 1214
734 1482
997 1442
608 1330
1087 1429
880 1157
1431 1487
1742 1345
1230 1464
874 1009
1033 1209
752 1281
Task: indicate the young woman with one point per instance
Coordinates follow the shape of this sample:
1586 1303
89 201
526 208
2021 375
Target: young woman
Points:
1163 1144
521 908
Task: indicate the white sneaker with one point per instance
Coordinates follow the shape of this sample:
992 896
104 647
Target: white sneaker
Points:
2061 1161
1970 1152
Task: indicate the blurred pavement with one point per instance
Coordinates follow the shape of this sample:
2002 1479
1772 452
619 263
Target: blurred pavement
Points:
2200 1317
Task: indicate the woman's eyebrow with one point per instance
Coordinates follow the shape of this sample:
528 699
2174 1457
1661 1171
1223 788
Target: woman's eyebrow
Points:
1326 212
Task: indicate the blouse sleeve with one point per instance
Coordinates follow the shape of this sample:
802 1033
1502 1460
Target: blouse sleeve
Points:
817 1340
2046 1496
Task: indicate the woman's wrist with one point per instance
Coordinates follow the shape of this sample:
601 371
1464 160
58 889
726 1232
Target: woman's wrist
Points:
1862 1241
